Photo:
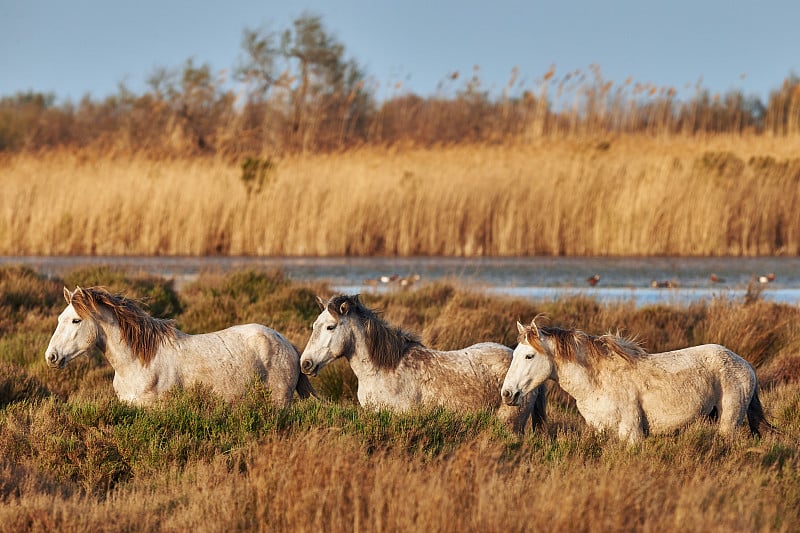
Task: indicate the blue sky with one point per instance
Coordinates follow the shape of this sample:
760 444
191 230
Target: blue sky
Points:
73 48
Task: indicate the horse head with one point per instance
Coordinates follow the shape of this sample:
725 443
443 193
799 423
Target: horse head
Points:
530 365
331 336
74 336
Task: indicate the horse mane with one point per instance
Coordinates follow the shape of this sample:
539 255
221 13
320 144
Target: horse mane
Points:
140 331
574 345
386 344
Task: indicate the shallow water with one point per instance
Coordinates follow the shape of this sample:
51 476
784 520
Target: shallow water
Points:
621 279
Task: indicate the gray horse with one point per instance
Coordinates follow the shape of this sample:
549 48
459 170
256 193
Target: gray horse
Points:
396 372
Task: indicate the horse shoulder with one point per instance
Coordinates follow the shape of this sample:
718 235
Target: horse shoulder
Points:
398 389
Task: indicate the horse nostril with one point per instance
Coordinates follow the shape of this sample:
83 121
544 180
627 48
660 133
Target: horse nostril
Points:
307 364
510 397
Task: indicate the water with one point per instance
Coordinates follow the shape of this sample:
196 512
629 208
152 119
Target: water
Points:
621 279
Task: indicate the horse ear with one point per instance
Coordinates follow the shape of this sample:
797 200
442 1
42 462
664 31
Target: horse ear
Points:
520 328
320 303
344 308
67 295
534 328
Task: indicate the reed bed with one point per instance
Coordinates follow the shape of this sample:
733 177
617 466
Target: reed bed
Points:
628 195
73 458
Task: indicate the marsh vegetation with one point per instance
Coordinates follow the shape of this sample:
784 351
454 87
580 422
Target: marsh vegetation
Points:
75 458
725 196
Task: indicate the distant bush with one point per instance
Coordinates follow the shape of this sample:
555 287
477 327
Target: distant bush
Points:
157 295
217 301
25 296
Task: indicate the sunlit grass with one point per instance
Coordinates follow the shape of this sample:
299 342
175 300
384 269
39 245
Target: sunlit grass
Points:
76 458
725 195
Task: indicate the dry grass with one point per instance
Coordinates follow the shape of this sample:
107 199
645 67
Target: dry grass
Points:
325 482
630 195
73 458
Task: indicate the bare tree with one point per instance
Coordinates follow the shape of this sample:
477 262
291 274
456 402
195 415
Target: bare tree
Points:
304 74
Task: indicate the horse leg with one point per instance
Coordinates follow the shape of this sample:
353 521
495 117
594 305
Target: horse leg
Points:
280 391
632 426
731 409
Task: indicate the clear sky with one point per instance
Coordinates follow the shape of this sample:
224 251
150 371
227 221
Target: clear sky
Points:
78 47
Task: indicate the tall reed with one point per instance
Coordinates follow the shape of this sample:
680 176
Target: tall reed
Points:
627 195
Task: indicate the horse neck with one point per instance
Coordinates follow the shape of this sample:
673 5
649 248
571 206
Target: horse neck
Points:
573 377
111 342
360 358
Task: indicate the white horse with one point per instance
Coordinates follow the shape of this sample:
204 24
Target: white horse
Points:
619 387
151 356
396 372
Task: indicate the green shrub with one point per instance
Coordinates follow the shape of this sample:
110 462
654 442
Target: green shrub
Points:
157 294
25 294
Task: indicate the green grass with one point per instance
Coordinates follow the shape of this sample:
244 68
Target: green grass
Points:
73 457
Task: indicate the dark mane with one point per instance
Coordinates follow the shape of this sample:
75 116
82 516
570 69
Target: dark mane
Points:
141 332
386 344
576 346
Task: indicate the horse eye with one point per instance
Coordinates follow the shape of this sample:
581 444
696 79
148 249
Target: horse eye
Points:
529 355
76 320
331 327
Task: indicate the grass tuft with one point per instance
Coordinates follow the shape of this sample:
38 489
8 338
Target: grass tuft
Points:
76 458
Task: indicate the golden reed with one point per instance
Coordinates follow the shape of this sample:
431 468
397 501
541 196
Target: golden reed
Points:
625 195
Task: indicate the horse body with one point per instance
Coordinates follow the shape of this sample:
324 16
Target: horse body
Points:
151 356
396 372
619 387
420 377
241 353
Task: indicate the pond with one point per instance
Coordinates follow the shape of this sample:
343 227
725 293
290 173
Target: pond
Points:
679 280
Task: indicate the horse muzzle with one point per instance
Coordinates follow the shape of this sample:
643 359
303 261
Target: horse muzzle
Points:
54 360
510 397
309 367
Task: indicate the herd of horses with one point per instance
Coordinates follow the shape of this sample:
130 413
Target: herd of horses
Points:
617 385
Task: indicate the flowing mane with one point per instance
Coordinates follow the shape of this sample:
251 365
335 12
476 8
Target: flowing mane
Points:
387 345
576 346
140 331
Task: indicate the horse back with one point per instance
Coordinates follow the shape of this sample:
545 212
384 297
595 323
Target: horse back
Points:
713 358
470 377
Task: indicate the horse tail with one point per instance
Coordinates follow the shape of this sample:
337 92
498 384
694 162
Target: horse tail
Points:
539 415
755 417
304 388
